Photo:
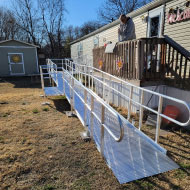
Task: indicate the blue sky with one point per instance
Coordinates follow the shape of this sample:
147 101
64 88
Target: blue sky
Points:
79 11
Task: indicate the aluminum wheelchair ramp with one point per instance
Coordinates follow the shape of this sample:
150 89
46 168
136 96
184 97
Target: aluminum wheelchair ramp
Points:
54 77
128 152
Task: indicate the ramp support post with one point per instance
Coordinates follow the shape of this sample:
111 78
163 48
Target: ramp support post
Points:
159 119
102 131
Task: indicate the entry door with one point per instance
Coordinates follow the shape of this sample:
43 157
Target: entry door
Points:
16 63
155 22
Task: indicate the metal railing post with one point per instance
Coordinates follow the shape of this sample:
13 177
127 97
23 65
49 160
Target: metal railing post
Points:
63 82
92 116
72 67
85 107
88 78
66 65
72 94
42 78
79 72
56 74
103 86
159 119
129 106
85 75
141 110
92 86
119 95
102 130
109 91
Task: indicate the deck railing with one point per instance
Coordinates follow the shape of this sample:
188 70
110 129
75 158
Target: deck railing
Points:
146 59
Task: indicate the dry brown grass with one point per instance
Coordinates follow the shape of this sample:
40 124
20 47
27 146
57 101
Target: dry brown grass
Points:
41 148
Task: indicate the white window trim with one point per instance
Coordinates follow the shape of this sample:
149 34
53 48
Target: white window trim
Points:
153 13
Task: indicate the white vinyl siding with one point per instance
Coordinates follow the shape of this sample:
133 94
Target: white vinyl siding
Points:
179 31
140 26
74 52
110 34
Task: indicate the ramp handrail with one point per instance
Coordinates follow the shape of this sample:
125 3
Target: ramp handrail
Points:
52 67
117 139
89 71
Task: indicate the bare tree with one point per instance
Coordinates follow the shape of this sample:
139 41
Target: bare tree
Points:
8 25
89 27
27 19
52 12
112 9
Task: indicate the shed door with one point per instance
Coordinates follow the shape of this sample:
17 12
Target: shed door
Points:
16 63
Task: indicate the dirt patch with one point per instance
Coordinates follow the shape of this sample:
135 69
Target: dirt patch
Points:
41 148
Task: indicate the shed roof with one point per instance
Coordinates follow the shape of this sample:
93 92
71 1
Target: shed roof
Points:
25 43
135 13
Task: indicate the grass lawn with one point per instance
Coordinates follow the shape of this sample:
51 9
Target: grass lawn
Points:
41 149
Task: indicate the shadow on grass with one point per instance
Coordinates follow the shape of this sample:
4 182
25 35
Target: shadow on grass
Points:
61 104
23 82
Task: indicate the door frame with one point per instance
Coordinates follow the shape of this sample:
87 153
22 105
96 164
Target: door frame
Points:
159 11
11 63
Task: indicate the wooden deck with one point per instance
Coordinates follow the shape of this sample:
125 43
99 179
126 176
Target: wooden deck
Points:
147 59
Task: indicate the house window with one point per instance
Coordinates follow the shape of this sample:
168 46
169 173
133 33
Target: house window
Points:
80 49
96 41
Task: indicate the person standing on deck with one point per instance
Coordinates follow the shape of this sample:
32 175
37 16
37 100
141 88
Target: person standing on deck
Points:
126 31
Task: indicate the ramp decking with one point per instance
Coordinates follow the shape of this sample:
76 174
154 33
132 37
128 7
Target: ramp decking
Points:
136 156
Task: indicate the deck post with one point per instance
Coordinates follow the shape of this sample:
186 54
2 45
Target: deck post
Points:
159 119
102 131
